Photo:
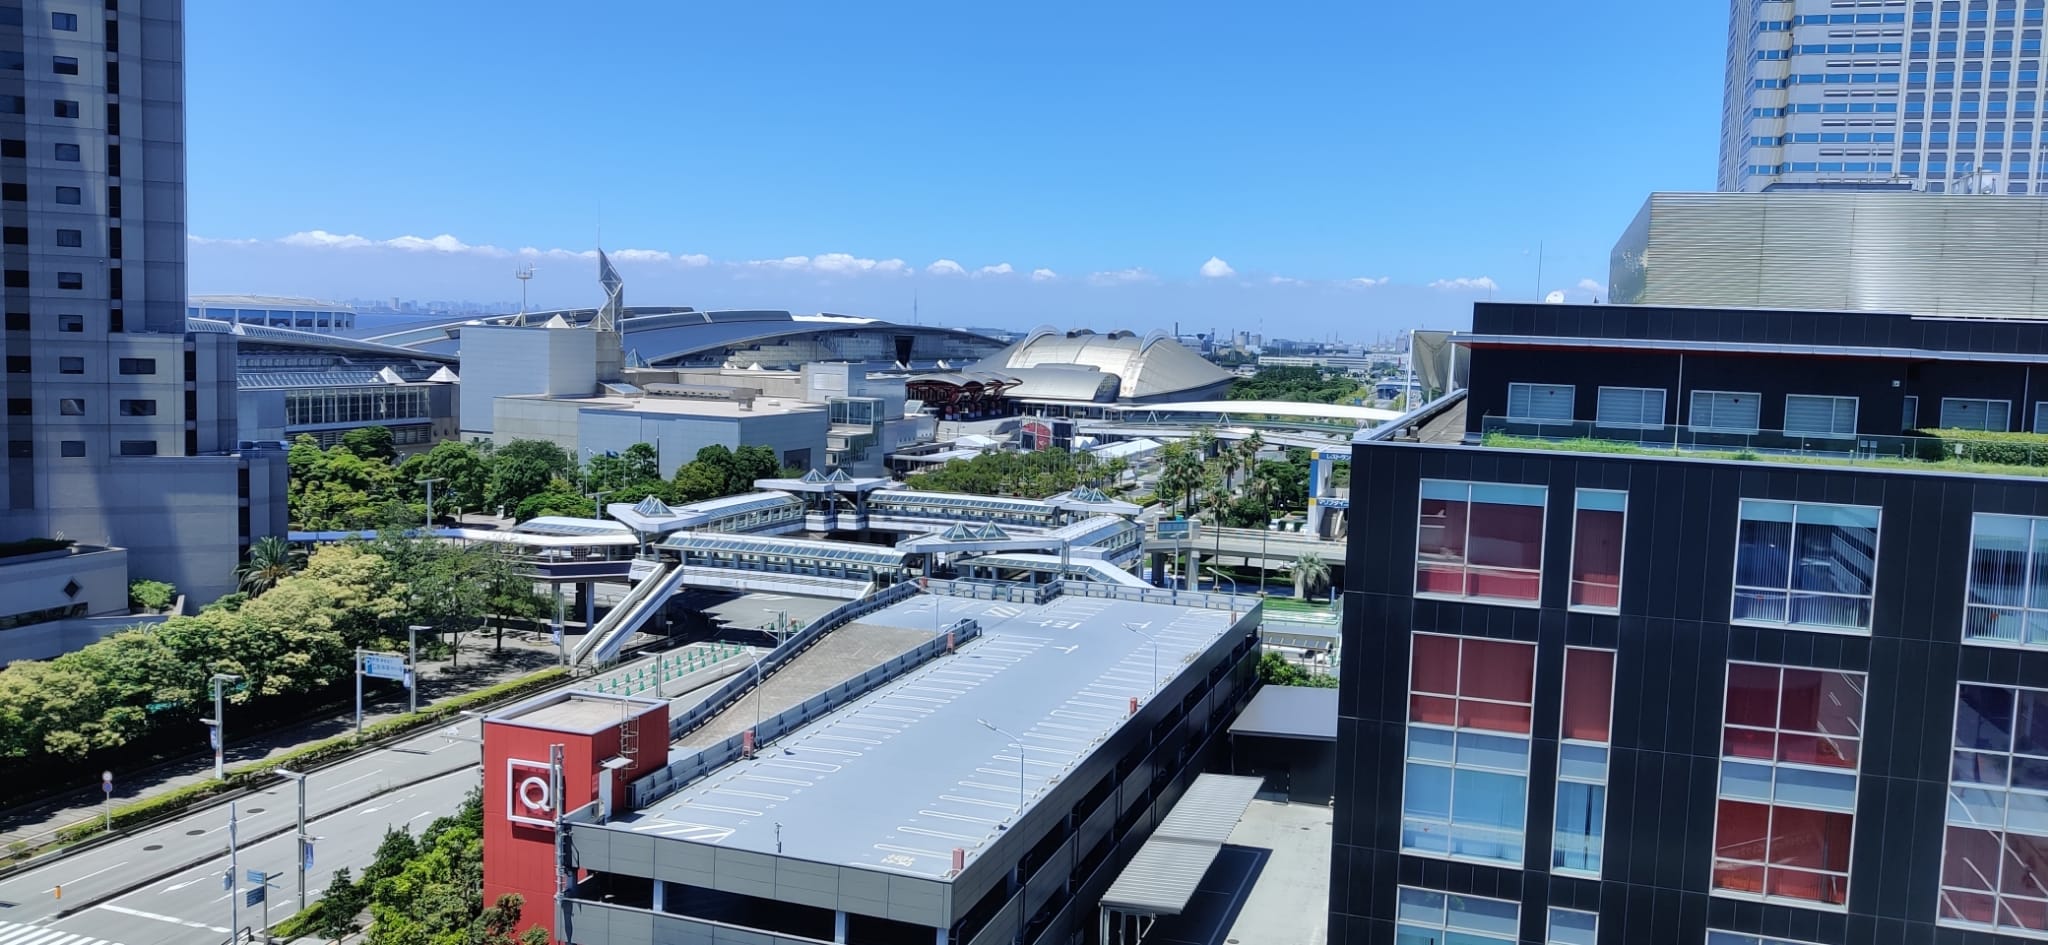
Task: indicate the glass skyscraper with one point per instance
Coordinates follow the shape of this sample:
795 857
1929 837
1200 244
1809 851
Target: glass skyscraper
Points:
1939 94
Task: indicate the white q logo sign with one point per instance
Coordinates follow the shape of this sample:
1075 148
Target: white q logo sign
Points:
530 793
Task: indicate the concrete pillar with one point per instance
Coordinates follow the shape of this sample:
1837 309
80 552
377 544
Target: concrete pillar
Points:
660 896
589 605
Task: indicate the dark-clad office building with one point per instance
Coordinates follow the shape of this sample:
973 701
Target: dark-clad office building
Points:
1678 627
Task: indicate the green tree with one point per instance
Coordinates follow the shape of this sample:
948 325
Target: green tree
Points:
524 468
341 907
559 498
643 464
1310 573
463 469
271 559
151 595
1180 473
373 444
751 463
1275 670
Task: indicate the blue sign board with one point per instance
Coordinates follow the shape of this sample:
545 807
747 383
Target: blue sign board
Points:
384 666
256 876
1176 529
255 897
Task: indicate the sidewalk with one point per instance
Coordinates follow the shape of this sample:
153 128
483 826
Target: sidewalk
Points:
479 667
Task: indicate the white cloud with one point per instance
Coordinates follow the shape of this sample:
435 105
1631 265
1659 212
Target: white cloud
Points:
693 260
1283 280
198 240
322 238
640 255
1121 276
1593 286
1467 284
1217 269
1043 275
832 264
1367 282
999 269
444 243
534 253
945 267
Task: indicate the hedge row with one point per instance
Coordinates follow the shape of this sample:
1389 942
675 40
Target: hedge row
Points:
1984 446
255 773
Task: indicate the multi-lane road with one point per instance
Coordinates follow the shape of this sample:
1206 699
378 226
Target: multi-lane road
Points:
163 886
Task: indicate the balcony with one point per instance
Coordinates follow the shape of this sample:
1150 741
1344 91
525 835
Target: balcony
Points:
1936 451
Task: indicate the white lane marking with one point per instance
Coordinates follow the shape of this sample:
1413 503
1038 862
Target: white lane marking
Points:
960 817
174 920
694 804
789 781
174 887
824 767
941 834
424 813
34 936
913 851
94 873
754 794
330 787
957 799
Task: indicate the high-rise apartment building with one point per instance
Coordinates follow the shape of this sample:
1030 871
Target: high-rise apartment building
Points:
1944 95
120 424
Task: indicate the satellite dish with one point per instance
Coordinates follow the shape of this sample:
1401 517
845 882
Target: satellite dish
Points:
1556 297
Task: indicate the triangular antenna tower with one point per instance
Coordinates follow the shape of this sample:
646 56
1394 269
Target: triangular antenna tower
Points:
614 310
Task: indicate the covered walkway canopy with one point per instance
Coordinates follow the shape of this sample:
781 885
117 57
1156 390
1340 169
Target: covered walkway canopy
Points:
1163 875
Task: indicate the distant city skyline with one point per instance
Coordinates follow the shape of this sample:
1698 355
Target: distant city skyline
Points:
1073 164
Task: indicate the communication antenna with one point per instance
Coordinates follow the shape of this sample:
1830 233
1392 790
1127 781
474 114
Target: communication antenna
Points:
525 275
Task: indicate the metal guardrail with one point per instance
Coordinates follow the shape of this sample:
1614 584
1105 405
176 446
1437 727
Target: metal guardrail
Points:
667 668
729 693
682 771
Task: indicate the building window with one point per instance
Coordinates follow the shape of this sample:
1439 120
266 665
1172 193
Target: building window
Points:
1721 411
2004 605
66 152
70 323
17 321
64 65
1549 402
138 447
1971 413
71 449
1636 407
1583 742
1480 540
20 407
1596 549
69 195
1572 927
18 364
2040 416
21 449
71 407
1805 565
1909 415
13 147
14 235
1427 916
138 365
1994 865
138 408
64 22
71 237
71 365
1820 415
64 108
1467 779
1790 745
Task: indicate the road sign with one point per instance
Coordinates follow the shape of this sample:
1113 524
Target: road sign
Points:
384 666
1176 529
107 782
256 876
213 737
254 897
307 846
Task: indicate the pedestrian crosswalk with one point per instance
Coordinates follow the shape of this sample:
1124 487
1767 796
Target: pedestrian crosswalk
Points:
16 933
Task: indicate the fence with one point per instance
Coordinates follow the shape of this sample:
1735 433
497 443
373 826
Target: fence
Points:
699 763
729 693
668 668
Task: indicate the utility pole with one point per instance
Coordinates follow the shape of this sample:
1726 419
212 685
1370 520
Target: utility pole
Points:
429 483
991 726
219 720
305 842
228 881
412 672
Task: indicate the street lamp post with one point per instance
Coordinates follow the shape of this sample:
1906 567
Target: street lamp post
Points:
596 498
412 663
429 483
305 842
1218 574
219 720
1154 642
993 727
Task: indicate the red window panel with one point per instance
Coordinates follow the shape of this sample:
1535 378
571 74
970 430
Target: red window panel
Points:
1436 665
1507 536
1494 716
1752 695
1442 532
1828 751
1742 831
1596 558
2026 866
1980 908
1810 839
1588 695
1498 670
1748 743
1971 860
2029 914
1434 710
1830 703
1780 851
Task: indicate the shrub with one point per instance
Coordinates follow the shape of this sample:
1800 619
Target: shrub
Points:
1986 446
152 596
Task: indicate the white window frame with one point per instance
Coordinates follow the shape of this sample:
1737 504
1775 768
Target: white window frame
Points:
1542 549
1910 412
2040 413
1571 395
1735 564
1550 924
1987 402
1444 924
1641 392
1692 411
2035 525
1949 784
1721 762
1571 557
1607 776
1408 723
1834 415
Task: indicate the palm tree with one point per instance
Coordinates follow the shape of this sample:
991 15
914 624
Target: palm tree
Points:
271 559
1248 451
1310 574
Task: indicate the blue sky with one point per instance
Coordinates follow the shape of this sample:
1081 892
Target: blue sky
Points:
839 156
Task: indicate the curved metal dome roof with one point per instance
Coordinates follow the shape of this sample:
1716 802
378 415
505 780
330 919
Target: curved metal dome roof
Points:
1148 368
